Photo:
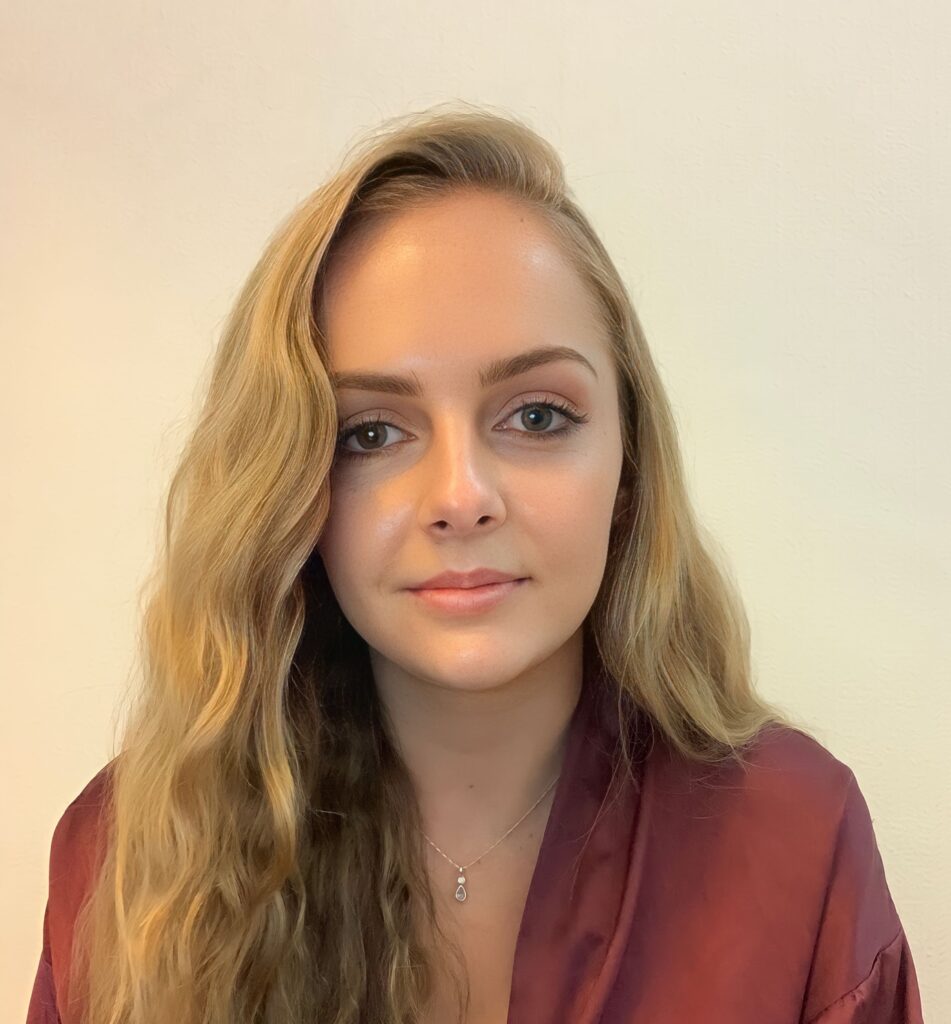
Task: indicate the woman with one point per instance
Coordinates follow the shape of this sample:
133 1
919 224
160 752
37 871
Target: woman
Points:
448 711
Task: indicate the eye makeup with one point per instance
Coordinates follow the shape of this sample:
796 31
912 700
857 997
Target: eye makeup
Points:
575 419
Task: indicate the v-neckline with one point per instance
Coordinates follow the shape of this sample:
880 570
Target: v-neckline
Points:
578 893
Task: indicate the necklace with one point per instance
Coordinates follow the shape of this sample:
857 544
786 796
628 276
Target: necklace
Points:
461 893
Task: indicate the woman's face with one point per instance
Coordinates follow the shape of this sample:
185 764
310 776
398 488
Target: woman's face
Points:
467 473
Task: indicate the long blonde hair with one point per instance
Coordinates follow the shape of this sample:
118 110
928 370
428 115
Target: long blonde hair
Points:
262 860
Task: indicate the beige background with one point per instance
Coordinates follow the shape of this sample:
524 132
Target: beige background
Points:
772 179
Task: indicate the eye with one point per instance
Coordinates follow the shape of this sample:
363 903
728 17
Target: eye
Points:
372 428
543 418
369 427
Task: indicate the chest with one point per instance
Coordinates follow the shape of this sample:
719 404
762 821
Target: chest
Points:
485 927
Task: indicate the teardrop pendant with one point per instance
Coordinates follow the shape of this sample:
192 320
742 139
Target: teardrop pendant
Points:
461 893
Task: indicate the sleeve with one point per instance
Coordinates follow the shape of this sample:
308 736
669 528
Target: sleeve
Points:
42 1008
73 858
862 970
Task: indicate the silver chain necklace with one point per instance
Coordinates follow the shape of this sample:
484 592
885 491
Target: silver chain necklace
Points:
461 893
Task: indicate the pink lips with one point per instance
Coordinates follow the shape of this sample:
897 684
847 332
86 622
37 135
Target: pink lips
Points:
464 580
467 599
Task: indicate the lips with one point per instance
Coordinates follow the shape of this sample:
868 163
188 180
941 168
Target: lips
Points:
466 600
465 580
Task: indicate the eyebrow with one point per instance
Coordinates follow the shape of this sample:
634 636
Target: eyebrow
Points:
490 374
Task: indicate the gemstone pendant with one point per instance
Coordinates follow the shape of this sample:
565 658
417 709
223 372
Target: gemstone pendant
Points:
461 890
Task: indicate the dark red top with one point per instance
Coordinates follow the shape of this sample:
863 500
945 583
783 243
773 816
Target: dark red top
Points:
703 895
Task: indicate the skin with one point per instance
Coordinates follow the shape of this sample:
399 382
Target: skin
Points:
480 704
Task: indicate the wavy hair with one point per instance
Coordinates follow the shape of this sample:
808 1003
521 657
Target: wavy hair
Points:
262 861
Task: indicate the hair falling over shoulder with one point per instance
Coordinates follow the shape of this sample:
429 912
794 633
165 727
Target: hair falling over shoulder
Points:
263 862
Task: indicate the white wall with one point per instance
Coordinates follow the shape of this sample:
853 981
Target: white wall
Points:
773 181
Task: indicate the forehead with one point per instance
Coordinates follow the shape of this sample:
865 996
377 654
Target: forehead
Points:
462 278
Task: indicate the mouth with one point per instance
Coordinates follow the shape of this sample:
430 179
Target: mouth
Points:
468 600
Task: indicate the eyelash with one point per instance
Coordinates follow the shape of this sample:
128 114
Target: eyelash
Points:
575 419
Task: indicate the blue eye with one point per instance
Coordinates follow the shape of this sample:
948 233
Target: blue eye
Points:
574 418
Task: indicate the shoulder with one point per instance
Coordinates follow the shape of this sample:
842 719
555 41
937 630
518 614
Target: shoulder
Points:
790 811
79 827
819 795
783 776
862 965
794 818
76 849
792 768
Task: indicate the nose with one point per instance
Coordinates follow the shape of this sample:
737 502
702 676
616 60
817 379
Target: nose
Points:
459 482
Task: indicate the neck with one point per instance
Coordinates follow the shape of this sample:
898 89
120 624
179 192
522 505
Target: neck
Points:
480 758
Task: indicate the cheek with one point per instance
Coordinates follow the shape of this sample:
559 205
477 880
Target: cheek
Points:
566 538
355 534
580 532
336 544
572 507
